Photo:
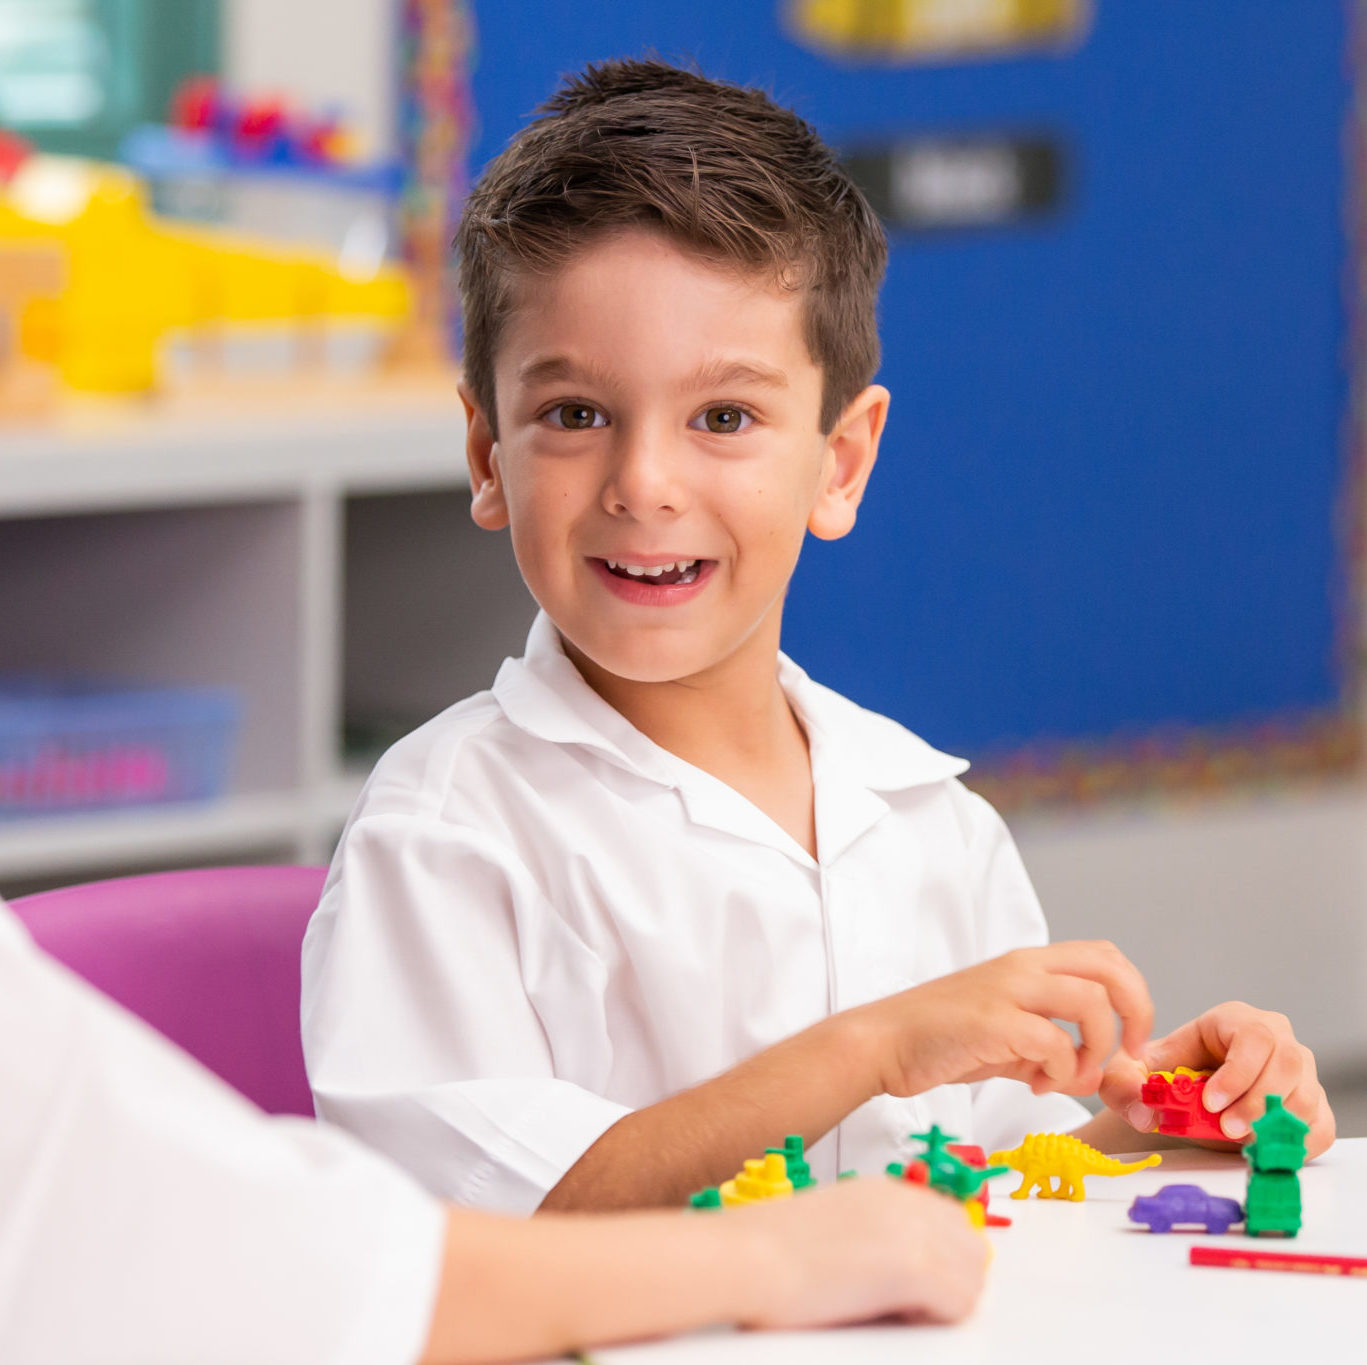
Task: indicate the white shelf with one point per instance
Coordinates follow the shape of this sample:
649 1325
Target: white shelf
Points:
105 457
175 834
206 542
75 843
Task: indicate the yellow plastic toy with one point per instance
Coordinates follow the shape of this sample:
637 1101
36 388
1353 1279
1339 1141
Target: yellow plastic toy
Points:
1044 1157
133 280
764 1177
27 274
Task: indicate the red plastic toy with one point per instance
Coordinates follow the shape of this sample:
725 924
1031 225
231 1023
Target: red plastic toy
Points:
195 105
977 1158
257 130
1177 1099
14 151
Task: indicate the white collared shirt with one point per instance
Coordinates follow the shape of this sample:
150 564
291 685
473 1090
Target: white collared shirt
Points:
148 1213
539 920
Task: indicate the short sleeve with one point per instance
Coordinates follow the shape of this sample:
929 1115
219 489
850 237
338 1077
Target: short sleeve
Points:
1009 916
149 1213
451 1018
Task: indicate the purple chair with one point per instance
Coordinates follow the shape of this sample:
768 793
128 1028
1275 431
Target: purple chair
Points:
210 958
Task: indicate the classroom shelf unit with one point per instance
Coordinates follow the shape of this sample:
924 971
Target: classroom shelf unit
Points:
315 554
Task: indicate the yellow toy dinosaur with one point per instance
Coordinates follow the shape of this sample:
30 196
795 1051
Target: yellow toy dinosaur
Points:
1042 1157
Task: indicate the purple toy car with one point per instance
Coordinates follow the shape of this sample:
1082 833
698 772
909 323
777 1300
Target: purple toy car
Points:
1185 1204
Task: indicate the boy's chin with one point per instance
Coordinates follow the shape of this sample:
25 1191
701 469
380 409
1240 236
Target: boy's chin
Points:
641 662
642 672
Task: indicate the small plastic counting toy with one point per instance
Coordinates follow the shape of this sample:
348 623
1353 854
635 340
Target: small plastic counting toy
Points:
1178 1101
1275 1155
1186 1205
1046 1157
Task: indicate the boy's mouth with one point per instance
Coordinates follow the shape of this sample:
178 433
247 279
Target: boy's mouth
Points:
656 575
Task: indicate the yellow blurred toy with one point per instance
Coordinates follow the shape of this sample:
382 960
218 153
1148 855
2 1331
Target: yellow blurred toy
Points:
133 282
763 1177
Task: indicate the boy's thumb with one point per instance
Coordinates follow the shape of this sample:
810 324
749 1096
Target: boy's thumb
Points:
1166 1053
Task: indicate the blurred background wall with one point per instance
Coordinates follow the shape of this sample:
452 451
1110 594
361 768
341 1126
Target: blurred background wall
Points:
1112 551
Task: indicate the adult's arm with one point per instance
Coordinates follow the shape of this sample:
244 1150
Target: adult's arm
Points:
148 1212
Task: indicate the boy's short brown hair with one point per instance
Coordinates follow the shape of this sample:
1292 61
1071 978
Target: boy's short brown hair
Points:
720 169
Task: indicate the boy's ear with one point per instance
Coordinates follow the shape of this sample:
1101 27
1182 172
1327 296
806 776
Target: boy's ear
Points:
851 449
488 507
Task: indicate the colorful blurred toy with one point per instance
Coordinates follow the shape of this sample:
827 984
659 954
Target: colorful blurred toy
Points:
28 272
1045 1157
213 133
133 282
1186 1205
761 1178
1178 1101
955 1169
14 151
29 275
710 1198
919 30
799 1172
1275 1156
977 1159
775 1175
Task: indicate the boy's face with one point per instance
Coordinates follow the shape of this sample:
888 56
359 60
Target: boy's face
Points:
659 458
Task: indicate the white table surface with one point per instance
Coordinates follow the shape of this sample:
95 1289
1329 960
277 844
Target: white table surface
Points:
1072 1281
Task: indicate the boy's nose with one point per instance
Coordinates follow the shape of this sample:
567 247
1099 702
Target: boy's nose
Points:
643 480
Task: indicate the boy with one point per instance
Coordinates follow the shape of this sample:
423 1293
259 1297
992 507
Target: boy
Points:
597 935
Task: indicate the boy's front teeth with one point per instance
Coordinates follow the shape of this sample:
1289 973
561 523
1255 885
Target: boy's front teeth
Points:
638 571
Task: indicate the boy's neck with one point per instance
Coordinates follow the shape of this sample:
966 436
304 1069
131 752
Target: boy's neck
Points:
732 721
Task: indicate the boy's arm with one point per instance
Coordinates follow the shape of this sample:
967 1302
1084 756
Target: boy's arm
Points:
659 1155
993 1019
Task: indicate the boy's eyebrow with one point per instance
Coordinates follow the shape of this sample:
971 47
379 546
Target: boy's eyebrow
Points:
719 374
551 368
716 374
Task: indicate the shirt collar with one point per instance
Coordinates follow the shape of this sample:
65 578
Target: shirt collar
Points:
855 752
873 749
544 694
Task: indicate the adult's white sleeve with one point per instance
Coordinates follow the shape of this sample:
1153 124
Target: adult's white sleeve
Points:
1009 917
451 1017
148 1213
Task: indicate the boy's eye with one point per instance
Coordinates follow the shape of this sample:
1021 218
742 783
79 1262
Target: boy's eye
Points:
575 417
722 419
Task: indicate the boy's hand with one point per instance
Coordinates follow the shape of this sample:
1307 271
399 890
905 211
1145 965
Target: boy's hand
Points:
858 1250
1253 1052
998 1019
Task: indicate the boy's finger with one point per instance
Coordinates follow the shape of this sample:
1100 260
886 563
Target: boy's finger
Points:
1284 1074
1104 963
1120 1090
1052 1050
1250 1071
1081 1002
1307 1101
